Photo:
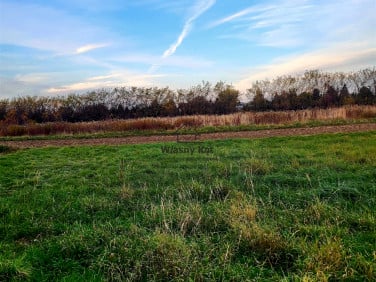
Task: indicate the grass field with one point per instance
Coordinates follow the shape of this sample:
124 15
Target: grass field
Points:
287 208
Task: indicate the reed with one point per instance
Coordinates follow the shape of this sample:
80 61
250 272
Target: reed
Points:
194 121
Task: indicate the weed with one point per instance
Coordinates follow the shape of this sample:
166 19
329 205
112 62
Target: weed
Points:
327 259
257 166
168 258
14 270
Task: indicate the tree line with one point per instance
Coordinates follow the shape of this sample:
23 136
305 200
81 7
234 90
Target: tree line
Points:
313 89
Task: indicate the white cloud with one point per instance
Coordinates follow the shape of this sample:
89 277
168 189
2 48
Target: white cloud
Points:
11 87
104 77
37 78
170 51
46 28
173 61
114 79
197 10
90 47
54 83
301 23
240 14
339 57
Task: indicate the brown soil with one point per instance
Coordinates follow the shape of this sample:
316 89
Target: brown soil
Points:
206 136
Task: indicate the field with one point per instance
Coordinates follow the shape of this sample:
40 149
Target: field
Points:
298 208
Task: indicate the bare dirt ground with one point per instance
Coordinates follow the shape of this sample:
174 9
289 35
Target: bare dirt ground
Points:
206 136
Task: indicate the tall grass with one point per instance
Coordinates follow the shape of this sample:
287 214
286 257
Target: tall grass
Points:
274 209
173 123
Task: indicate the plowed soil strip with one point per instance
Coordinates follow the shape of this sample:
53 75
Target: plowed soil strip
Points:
206 136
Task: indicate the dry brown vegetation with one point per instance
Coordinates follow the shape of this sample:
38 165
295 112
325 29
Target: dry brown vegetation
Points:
173 123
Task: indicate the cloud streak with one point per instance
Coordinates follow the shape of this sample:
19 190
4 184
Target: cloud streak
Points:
201 7
50 29
114 79
299 23
90 47
240 14
187 62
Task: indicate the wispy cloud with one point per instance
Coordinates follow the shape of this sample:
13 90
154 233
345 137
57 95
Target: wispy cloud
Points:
34 78
171 61
274 23
170 6
114 79
52 83
200 8
12 87
299 23
90 47
197 10
240 14
47 28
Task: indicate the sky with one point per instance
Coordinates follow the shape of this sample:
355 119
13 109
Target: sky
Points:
59 47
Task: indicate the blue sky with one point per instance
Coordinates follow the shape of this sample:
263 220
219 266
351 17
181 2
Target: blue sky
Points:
66 46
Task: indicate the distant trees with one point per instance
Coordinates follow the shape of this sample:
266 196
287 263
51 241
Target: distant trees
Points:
259 103
313 89
227 98
365 96
330 98
3 109
310 90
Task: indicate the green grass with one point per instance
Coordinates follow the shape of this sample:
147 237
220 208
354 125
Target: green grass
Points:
288 208
199 130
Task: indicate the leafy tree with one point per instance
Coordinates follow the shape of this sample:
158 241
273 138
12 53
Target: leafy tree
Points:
330 98
365 96
227 99
169 107
197 105
305 100
4 104
345 97
292 99
316 97
259 103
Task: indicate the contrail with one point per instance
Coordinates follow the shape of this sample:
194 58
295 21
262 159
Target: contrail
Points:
170 51
200 8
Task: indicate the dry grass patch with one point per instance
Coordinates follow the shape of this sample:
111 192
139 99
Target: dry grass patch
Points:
195 121
169 257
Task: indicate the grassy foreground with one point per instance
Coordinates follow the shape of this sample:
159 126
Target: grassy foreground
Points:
289 208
